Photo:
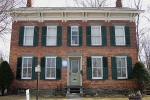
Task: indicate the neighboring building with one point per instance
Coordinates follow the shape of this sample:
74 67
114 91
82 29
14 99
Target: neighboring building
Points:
75 46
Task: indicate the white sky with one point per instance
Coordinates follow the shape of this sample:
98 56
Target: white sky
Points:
5 43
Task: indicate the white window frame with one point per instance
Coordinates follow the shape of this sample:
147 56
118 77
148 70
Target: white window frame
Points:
51 36
75 35
46 69
101 57
24 38
123 27
96 35
22 69
125 67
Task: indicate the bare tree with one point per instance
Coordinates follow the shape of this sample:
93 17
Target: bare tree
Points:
90 3
5 23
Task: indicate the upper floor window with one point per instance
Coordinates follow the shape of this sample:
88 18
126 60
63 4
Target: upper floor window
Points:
120 35
74 35
51 36
96 35
28 35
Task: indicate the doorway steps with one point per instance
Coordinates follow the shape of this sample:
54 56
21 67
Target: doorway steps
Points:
74 91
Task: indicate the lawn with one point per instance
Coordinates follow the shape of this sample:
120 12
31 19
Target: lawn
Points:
22 97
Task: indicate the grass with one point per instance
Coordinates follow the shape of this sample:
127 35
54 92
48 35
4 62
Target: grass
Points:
33 97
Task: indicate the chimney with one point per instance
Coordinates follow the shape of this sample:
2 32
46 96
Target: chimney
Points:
119 3
29 3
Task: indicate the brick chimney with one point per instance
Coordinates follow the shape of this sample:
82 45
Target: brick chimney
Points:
118 3
29 3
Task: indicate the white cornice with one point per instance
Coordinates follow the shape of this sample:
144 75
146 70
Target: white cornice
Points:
66 13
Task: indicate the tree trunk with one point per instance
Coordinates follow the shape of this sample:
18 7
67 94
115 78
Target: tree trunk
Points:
3 89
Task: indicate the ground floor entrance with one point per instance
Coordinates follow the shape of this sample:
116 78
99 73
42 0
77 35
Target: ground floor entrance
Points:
74 71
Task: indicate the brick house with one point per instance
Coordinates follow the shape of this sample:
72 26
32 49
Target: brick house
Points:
75 46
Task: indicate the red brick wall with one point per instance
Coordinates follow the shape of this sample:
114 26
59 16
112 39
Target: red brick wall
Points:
108 51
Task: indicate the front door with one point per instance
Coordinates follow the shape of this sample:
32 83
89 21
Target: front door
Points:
74 72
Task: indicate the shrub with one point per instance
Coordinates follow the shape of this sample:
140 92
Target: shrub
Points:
6 76
142 75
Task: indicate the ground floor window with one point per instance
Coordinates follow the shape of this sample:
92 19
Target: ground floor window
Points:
50 68
97 68
121 67
26 67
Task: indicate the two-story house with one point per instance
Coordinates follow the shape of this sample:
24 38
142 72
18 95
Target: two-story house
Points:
93 47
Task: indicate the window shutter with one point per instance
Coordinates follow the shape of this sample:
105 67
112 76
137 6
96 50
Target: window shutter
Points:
21 36
19 67
127 35
36 36
69 35
44 31
58 68
105 68
114 67
42 74
104 37
88 35
112 36
80 35
129 67
34 64
89 68
59 35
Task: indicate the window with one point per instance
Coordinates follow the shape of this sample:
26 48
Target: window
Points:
97 68
51 36
27 68
50 68
96 35
28 35
120 35
121 67
74 35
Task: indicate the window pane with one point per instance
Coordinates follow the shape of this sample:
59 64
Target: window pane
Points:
74 39
120 40
94 62
123 72
119 72
96 40
99 72
48 62
29 72
52 71
119 31
51 40
48 72
74 30
25 62
25 72
95 31
75 66
52 31
95 71
123 62
53 62
30 62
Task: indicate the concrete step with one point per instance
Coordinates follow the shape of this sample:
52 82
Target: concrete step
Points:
74 95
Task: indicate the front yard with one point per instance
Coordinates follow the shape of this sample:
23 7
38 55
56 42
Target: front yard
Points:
33 97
